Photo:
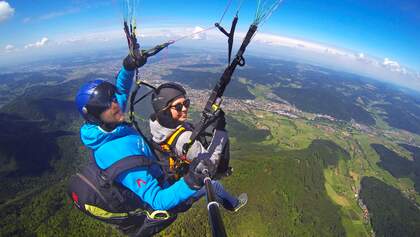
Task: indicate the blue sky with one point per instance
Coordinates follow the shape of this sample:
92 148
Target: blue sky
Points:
371 32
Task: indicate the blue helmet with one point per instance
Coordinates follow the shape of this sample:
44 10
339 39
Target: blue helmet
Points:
93 98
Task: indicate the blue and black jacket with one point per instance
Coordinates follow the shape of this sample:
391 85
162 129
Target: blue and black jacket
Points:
124 141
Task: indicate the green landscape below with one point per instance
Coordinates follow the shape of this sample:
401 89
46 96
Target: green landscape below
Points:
304 177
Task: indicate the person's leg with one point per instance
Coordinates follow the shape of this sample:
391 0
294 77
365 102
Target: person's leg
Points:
200 193
222 196
226 199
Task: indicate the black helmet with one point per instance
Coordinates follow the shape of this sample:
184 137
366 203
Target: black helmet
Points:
166 93
93 98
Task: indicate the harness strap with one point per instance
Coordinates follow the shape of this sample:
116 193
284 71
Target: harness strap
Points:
126 164
230 35
170 145
175 135
168 158
110 174
104 214
101 213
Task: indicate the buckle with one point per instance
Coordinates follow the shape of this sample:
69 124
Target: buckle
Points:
158 215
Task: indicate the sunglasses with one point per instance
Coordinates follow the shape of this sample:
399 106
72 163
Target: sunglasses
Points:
178 107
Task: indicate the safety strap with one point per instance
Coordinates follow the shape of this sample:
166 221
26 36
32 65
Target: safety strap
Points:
101 213
175 135
126 164
169 145
174 164
110 174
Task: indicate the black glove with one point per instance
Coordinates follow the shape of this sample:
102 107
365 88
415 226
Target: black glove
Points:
130 63
220 121
195 176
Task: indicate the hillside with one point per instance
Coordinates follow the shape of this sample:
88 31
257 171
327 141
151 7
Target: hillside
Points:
306 174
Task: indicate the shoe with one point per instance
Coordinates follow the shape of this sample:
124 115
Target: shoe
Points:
243 199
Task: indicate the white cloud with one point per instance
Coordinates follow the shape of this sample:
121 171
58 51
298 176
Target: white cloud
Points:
9 48
38 44
388 62
6 11
393 66
276 40
358 61
365 59
199 33
273 45
341 59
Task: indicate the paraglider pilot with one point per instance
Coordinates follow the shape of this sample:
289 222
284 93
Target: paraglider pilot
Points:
123 183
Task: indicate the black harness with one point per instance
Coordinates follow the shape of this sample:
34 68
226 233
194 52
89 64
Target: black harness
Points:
173 165
95 192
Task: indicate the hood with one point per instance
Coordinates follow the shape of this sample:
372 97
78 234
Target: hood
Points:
94 136
160 133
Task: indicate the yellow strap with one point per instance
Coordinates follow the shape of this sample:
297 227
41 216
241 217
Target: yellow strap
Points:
175 135
215 107
165 147
158 215
99 212
171 163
